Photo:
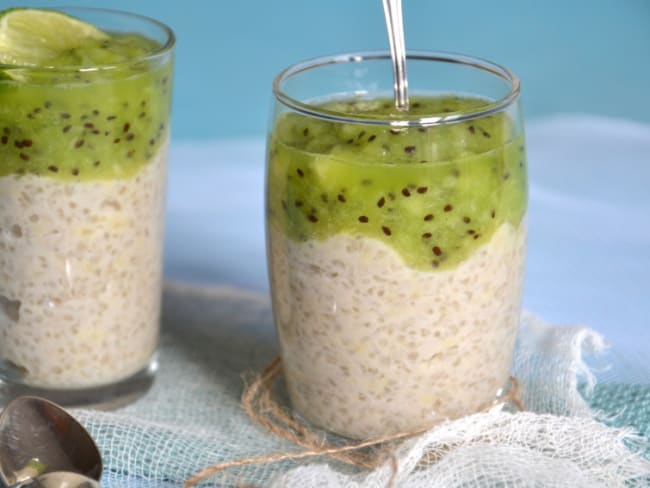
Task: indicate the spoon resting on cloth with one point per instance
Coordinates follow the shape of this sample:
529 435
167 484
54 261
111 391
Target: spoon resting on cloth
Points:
41 445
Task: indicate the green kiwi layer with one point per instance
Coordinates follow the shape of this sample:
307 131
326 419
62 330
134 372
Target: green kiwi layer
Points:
85 125
433 194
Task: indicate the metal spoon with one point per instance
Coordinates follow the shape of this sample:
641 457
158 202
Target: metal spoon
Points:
38 437
60 479
395 27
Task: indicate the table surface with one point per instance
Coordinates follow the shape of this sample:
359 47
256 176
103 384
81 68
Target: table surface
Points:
589 225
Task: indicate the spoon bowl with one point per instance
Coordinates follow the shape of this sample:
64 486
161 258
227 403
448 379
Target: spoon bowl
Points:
38 437
61 479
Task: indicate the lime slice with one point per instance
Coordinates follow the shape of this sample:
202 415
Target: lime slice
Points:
32 37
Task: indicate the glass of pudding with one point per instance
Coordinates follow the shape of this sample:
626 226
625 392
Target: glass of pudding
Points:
84 130
396 239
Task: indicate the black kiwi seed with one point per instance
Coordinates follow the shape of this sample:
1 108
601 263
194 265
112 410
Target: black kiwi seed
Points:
24 156
486 134
67 128
381 202
298 203
116 140
312 218
305 131
422 189
426 235
47 104
4 139
6 130
436 250
467 220
96 132
97 163
493 214
111 117
53 168
95 112
300 173
448 208
75 171
89 125
428 217
79 143
361 134
406 192
363 219
372 137
471 232
386 230
476 236
130 136
472 129
18 144
409 149
65 115
342 198
126 127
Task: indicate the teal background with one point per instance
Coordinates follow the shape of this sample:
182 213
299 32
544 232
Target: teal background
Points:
587 56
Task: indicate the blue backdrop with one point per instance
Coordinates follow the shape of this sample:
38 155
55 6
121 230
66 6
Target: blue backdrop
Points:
572 56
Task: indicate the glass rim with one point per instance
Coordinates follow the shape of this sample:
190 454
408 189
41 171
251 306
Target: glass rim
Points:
417 55
160 51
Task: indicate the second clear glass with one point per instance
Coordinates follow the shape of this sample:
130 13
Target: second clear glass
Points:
83 167
396 240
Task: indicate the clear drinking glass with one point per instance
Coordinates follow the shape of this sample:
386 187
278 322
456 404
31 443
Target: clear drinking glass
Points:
396 240
83 164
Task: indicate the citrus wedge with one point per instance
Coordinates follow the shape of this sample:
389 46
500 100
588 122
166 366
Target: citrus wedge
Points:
32 37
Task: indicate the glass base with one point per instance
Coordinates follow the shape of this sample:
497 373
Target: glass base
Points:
105 397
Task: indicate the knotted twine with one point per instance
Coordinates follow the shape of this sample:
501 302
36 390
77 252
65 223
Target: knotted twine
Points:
258 403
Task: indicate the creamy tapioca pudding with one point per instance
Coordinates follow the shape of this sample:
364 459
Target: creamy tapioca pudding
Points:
83 155
370 344
80 276
396 259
